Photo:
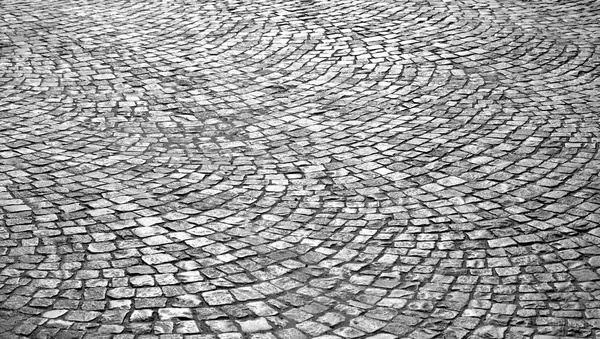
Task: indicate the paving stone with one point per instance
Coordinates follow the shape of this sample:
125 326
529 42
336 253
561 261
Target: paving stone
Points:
290 333
299 169
312 328
222 326
348 332
585 275
255 325
594 261
163 327
175 313
187 300
367 325
490 331
246 293
186 327
261 309
101 247
383 336
54 314
159 258
217 298
502 242
141 315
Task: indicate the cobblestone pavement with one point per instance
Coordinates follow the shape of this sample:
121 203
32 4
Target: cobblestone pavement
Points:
299 169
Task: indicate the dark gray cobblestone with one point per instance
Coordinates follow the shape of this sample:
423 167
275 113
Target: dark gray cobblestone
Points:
299 169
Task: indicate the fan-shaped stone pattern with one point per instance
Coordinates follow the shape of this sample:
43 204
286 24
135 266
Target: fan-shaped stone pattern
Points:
299 169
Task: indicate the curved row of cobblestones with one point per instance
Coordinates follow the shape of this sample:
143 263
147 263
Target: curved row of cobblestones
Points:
299 169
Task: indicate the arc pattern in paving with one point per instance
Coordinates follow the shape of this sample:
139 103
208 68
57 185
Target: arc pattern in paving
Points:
299 169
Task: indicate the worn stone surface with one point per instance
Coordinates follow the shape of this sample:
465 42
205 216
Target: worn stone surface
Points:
299 169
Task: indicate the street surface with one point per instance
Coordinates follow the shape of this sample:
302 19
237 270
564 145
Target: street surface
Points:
298 169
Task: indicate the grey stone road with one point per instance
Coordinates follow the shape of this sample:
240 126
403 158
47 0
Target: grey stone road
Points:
299 169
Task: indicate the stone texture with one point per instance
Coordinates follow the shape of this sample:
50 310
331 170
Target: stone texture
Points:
299 169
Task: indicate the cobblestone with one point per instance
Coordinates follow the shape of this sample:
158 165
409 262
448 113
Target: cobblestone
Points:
182 169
